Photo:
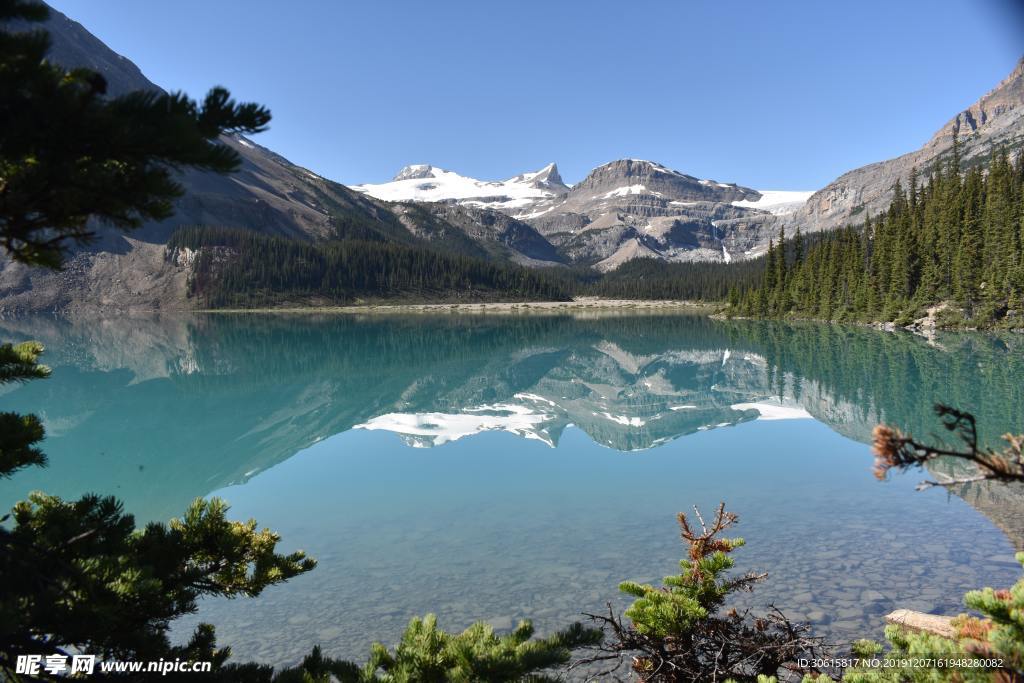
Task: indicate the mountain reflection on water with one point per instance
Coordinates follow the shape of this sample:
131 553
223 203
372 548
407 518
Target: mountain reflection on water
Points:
134 404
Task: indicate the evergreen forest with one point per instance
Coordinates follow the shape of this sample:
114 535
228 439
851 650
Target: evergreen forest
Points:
952 242
245 269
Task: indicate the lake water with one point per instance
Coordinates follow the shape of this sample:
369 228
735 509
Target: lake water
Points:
506 467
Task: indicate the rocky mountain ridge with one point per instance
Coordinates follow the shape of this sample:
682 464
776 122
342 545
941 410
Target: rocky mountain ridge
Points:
628 208
995 121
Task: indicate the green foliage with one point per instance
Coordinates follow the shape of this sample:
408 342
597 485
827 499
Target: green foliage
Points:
955 239
69 154
772 679
1005 611
648 278
237 268
426 654
20 363
906 645
699 590
315 668
241 268
998 635
688 597
20 433
79 574
679 631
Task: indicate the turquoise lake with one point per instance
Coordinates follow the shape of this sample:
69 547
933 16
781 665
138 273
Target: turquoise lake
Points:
508 467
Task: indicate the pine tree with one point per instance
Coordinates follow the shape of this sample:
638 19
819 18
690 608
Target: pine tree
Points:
957 237
426 653
771 271
680 631
780 295
67 152
967 264
798 248
78 574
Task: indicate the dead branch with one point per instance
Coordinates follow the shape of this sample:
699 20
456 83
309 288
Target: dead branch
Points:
895 450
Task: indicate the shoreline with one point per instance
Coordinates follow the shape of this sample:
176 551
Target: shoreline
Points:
501 308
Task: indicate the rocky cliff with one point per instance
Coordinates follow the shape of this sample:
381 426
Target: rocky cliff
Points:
996 120
633 208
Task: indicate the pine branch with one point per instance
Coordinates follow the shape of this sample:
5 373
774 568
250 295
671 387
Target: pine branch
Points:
895 450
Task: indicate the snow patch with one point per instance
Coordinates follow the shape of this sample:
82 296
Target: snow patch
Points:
515 193
778 202
774 411
441 428
534 214
627 190
624 420
534 397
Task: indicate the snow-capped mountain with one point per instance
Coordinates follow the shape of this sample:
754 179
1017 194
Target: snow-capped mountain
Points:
625 209
517 195
426 183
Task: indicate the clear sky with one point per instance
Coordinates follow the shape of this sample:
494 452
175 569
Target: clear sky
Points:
780 94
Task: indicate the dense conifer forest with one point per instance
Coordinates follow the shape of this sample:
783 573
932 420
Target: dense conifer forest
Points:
655 279
245 269
955 238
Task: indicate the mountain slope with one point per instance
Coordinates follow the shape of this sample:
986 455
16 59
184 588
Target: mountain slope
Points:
268 194
995 120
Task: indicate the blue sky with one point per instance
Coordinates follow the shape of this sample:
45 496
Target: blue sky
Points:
772 95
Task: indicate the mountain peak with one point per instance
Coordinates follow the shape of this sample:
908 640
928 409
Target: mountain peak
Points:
637 165
997 109
426 183
633 168
624 177
546 178
415 171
